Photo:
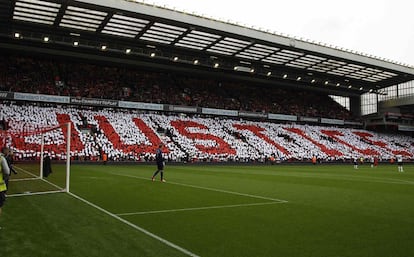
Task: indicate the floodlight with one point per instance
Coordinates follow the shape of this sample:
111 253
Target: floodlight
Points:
127 51
17 35
75 43
103 47
46 39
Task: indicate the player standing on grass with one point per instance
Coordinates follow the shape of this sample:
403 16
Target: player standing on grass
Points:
5 172
160 163
400 162
355 161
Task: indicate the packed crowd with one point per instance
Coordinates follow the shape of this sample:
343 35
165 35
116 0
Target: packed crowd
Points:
79 79
132 135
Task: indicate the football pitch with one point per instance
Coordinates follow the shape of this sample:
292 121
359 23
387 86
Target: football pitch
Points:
215 211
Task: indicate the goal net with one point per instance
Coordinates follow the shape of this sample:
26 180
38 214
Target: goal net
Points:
40 159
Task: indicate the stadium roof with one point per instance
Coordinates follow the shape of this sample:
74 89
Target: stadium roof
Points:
162 38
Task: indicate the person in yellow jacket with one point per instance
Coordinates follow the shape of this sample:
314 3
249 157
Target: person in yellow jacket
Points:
5 172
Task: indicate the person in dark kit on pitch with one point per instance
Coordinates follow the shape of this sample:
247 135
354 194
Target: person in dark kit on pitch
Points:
160 163
47 166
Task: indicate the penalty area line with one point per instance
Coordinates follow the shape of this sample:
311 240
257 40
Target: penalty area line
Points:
197 208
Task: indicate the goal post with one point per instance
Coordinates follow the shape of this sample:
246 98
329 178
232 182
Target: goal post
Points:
36 150
68 157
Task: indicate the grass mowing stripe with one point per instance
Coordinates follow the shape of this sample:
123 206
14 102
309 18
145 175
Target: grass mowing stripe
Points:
164 241
209 189
198 208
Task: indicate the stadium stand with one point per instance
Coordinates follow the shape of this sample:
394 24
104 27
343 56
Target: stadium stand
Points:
133 135
54 77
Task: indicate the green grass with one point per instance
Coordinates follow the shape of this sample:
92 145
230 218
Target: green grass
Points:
287 211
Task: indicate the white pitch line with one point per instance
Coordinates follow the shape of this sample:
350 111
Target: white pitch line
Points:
27 172
22 179
36 193
146 232
405 181
209 188
197 208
